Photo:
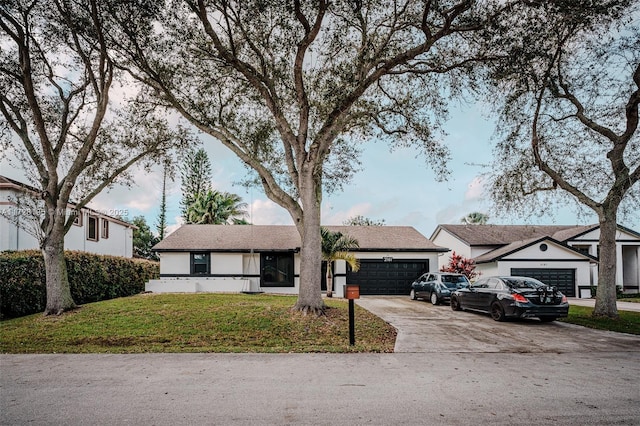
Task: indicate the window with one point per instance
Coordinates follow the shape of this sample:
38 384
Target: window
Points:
480 284
582 249
494 283
92 228
276 270
200 263
78 217
105 229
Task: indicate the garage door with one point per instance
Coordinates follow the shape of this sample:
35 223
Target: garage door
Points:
563 279
387 278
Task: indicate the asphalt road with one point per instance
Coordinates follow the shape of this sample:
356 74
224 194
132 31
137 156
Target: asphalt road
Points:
591 379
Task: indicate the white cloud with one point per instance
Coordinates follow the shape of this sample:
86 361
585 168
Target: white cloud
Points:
475 189
143 195
179 221
337 217
266 212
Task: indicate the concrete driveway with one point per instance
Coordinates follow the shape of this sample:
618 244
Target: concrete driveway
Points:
425 328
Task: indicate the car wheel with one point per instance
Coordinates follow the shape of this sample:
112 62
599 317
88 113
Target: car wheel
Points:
434 298
547 319
455 304
412 295
497 313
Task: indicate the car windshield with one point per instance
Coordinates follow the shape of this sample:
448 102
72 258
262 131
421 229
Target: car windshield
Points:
453 281
523 283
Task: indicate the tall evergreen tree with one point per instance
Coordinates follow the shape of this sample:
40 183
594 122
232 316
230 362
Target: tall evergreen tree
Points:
161 225
196 179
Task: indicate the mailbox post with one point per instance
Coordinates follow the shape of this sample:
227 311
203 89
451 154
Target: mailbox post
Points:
352 292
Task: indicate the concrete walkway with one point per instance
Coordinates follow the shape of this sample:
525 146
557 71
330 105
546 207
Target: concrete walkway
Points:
622 306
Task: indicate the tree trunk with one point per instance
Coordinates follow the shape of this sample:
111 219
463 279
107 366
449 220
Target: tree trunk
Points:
606 292
329 279
310 291
58 290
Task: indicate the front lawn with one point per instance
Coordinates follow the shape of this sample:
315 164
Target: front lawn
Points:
629 322
196 323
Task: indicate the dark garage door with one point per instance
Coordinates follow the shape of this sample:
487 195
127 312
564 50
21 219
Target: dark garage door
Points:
563 279
392 278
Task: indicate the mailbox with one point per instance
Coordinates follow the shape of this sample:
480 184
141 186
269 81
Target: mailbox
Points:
352 291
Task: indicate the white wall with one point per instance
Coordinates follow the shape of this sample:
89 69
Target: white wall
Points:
624 269
243 266
12 237
119 243
175 263
223 263
445 239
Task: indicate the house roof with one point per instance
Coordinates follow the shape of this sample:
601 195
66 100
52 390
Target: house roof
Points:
515 246
500 235
7 183
282 237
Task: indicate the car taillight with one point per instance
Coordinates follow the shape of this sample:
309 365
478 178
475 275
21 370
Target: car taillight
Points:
520 298
564 299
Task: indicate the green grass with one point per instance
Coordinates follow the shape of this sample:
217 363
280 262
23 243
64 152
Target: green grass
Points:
629 322
196 323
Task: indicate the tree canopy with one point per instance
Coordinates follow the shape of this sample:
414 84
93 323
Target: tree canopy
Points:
217 208
57 78
295 88
569 128
360 220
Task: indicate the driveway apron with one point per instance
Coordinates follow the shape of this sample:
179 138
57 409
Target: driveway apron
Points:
425 328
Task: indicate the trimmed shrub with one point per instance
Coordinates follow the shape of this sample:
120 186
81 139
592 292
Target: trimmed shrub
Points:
92 278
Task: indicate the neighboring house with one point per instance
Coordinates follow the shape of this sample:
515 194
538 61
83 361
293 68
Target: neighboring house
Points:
563 256
92 231
253 258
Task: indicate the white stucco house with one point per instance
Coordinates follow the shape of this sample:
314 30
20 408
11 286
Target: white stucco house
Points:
92 231
563 256
262 258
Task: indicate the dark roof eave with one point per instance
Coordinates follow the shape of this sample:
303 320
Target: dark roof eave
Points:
297 249
412 250
186 250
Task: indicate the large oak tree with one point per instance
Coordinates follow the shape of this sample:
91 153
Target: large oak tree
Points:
56 77
571 86
294 88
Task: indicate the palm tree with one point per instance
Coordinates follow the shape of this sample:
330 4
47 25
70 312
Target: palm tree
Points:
216 208
475 218
336 246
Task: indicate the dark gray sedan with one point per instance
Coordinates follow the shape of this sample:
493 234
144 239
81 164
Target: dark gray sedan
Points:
437 286
512 297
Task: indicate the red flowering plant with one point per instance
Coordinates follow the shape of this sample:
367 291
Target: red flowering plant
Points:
461 265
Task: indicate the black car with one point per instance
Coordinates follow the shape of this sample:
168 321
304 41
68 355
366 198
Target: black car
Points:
512 297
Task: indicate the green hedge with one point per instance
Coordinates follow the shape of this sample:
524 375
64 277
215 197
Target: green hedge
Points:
91 277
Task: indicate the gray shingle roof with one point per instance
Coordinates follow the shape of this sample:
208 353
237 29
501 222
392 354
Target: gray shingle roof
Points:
282 237
499 235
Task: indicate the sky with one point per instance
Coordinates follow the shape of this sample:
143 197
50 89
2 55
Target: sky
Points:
394 186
